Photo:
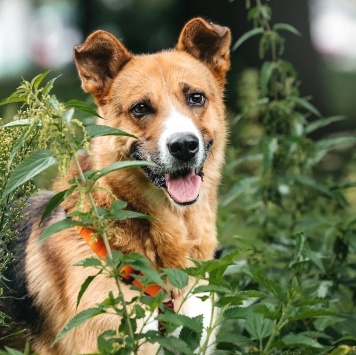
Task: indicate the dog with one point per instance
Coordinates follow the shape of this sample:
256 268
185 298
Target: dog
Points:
173 102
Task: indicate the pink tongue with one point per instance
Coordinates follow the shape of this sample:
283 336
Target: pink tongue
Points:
184 189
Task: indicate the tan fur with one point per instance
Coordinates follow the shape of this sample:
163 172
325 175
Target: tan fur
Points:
116 79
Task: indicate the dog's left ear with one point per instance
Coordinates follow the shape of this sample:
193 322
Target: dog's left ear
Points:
208 43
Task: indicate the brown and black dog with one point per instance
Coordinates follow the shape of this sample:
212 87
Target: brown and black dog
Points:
173 102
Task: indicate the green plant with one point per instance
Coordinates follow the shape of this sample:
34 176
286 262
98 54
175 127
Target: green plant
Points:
284 205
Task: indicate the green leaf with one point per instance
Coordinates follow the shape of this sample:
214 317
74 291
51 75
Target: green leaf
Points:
121 165
286 27
310 312
49 85
304 104
266 73
211 288
57 227
329 143
176 277
82 106
77 320
68 115
17 123
101 130
55 201
85 286
307 181
322 122
90 262
37 80
258 326
195 324
171 343
234 338
34 164
269 148
246 36
15 97
300 340
118 213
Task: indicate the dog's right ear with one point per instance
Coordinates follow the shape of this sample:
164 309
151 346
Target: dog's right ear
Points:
98 60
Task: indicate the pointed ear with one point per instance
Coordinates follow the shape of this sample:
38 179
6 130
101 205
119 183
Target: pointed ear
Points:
208 43
98 60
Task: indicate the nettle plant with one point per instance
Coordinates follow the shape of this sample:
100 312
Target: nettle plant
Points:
298 225
280 291
59 136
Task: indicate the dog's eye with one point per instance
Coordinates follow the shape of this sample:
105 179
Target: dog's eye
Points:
196 99
141 109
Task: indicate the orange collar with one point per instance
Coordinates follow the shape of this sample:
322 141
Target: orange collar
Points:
127 271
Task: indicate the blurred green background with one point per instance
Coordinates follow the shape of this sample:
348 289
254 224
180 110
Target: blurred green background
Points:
37 35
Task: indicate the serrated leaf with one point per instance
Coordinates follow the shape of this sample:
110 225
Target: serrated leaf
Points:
121 165
55 201
329 143
49 85
82 106
236 313
171 343
246 36
234 338
77 320
286 27
300 340
85 286
101 130
34 164
176 277
310 312
180 320
258 326
58 227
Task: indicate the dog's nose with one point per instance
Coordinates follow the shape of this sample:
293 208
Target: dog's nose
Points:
183 146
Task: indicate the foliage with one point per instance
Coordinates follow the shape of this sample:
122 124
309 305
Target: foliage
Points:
298 225
288 288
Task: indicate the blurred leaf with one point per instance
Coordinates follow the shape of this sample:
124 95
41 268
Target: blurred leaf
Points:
34 164
246 36
286 27
37 80
322 122
304 104
300 340
100 130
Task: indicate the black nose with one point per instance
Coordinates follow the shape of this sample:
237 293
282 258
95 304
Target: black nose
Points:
183 146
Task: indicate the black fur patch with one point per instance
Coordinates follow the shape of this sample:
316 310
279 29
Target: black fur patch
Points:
19 304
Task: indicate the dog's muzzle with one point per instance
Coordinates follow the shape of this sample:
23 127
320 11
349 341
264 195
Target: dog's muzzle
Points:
182 177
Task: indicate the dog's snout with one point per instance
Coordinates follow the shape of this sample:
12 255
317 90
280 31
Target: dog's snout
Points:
183 146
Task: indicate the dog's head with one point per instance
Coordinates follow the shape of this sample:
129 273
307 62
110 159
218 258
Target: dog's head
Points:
171 101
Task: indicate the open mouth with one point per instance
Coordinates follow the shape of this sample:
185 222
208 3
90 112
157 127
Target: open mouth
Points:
182 185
